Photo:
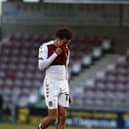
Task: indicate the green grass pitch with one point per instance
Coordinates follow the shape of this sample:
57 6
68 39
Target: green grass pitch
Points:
28 126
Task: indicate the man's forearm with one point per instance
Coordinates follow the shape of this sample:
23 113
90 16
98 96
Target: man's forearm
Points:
44 63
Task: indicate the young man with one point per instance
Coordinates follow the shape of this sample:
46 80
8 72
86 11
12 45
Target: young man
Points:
54 59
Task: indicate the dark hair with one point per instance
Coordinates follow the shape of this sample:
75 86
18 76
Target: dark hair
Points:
64 33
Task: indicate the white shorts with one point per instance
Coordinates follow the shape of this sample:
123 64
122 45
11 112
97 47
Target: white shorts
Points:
56 93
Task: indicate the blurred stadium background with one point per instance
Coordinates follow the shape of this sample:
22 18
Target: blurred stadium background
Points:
99 66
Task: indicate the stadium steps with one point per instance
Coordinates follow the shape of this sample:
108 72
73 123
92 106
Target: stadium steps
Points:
90 73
